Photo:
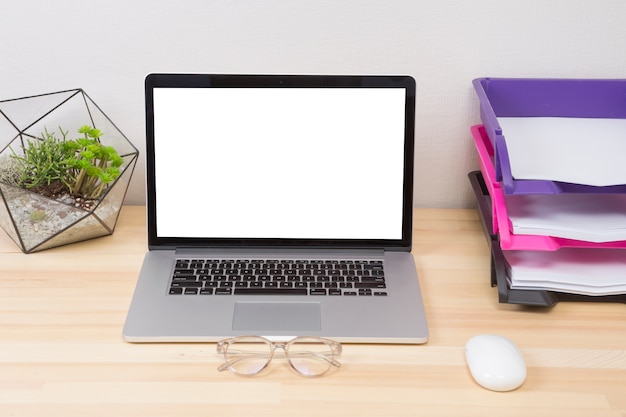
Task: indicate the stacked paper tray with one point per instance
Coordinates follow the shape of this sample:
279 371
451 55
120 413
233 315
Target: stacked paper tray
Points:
579 126
500 224
500 268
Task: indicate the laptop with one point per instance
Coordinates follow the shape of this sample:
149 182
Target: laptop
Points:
279 206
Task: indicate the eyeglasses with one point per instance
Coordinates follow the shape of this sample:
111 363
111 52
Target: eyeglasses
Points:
249 355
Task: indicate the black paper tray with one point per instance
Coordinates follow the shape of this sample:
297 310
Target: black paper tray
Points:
499 277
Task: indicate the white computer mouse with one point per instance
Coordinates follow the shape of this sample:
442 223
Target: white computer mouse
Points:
495 362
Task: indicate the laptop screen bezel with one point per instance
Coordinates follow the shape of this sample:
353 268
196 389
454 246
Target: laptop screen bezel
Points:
162 80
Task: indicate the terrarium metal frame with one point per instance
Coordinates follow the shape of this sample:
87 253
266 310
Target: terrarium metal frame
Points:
36 222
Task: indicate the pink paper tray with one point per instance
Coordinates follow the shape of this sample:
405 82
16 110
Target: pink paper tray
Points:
500 223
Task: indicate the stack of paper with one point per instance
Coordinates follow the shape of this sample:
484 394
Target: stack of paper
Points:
594 272
582 151
589 217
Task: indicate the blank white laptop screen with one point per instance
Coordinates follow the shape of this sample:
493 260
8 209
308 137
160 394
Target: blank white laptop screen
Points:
290 163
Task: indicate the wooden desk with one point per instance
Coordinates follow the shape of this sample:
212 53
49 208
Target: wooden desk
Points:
62 353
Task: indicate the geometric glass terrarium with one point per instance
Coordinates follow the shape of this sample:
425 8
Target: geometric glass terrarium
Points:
37 221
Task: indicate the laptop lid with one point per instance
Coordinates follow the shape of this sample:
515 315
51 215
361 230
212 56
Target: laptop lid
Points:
289 161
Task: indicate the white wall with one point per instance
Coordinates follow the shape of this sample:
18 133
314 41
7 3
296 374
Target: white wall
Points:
107 47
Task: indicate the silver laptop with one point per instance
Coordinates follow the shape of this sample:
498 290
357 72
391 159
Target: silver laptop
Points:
280 206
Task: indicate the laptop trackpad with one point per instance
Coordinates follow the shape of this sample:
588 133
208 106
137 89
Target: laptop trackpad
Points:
263 316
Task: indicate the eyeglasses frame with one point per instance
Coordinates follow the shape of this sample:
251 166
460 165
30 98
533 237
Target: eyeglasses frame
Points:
335 350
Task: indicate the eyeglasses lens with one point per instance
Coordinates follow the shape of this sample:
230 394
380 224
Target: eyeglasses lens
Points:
310 357
248 356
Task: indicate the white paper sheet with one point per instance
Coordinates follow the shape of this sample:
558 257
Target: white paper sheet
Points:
574 150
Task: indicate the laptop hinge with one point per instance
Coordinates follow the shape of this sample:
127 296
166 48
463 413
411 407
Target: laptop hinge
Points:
281 253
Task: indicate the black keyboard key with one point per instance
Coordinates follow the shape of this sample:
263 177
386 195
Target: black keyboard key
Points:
187 284
317 291
184 278
176 291
183 272
270 291
372 279
369 285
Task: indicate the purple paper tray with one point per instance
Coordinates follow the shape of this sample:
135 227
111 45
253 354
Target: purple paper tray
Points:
543 97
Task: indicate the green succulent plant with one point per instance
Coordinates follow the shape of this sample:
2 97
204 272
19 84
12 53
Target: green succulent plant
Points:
92 165
84 165
43 161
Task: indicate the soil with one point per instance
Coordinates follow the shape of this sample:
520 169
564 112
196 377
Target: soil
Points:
57 190
54 190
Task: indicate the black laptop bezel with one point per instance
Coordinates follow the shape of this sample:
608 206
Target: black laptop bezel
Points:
164 80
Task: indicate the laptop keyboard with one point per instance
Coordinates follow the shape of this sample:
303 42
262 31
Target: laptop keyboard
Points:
278 277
